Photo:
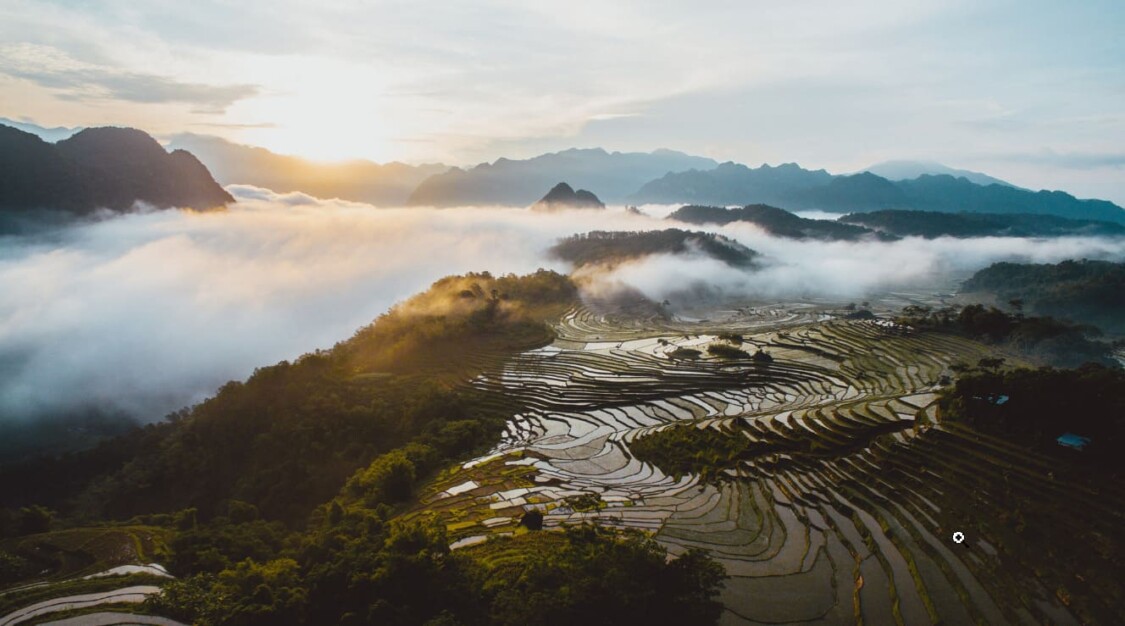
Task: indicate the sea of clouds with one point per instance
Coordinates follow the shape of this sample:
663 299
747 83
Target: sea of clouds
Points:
148 312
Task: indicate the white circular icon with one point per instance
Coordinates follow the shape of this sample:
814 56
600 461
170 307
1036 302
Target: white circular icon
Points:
958 537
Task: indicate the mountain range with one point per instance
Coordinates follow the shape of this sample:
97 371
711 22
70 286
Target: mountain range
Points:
893 225
611 175
122 166
112 168
387 184
792 187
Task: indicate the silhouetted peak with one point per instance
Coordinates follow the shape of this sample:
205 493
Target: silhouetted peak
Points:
563 196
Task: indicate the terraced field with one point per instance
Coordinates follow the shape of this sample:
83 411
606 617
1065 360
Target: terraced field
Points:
847 514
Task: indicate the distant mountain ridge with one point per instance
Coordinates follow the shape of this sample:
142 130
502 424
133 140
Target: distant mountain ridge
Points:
615 175
111 168
793 188
909 170
58 133
388 184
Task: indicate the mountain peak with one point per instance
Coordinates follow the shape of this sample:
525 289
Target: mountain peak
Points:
563 196
112 168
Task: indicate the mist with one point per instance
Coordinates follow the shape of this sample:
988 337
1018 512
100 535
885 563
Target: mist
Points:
149 312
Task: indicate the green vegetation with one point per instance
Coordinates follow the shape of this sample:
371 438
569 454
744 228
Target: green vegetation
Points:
363 569
684 449
601 247
294 498
685 353
1058 342
288 437
1035 406
1091 292
69 553
726 351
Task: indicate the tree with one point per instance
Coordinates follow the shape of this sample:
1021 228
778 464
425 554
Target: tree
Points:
34 520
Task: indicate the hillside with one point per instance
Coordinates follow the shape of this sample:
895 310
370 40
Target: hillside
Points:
793 188
600 247
775 221
1090 292
111 168
932 224
388 184
509 182
285 439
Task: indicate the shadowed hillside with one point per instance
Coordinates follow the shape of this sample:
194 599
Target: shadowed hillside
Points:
1091 292
111 168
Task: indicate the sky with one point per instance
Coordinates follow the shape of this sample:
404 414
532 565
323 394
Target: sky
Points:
1029 91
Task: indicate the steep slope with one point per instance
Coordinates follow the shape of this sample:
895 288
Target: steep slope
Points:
1090 292
111 168
775 221
389 184
521 182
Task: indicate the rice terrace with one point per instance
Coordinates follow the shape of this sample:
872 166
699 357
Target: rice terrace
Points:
842 505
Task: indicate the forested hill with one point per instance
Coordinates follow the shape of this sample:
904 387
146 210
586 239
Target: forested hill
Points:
793 188
777 222
297 497
932 224
111 168
601 247
286 439
1091 292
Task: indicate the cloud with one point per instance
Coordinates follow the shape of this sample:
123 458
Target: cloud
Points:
146 313
75 80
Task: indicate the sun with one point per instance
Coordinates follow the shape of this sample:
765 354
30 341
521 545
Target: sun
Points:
325 111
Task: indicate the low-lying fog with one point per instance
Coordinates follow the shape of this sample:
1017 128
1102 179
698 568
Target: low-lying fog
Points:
147 313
